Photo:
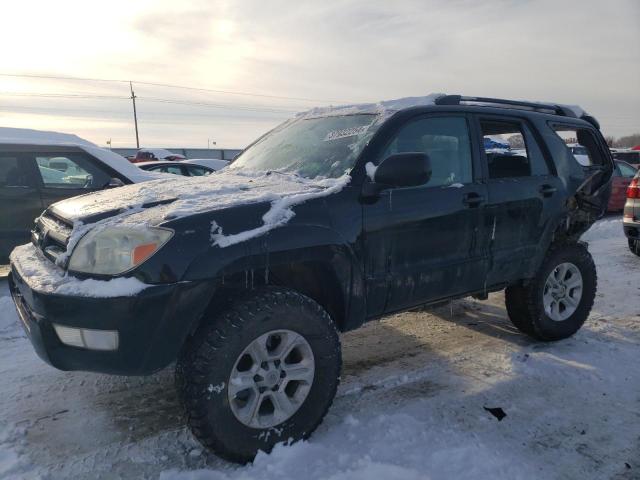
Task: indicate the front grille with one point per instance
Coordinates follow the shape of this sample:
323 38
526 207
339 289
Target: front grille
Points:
51 235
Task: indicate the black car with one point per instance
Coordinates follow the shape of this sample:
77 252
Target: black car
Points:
41 168
335 218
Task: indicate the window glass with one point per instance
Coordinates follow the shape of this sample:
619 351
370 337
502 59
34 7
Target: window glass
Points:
581 143
198 171
70 171
12 172
174 169
445 140
626 170
506 150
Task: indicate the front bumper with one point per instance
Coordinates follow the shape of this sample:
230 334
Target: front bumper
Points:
152 325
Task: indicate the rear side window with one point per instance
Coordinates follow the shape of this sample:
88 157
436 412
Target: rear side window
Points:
511 150
582 145
12 173
625 170
72 170
447 143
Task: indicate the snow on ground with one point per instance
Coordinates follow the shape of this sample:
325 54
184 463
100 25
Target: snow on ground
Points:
411 405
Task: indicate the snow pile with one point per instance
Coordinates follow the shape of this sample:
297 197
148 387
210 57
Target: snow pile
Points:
404 445
43 276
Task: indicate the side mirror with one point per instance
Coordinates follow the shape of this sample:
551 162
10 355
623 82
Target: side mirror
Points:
115 182
403 170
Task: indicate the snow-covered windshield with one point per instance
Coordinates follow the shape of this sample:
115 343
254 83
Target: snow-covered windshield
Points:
324 147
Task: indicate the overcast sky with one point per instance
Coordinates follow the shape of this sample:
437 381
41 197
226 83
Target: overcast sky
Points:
315 53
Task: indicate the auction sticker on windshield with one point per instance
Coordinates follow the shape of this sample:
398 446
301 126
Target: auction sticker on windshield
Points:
345 132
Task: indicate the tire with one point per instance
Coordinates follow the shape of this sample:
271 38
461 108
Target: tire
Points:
525 302
223 349
634 246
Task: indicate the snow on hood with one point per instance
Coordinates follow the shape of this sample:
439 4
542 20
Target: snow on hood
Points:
384 108
25 136
175 197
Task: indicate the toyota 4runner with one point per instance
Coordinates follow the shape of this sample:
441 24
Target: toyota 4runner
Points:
334 218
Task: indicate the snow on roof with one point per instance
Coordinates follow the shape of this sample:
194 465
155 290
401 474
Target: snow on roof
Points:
384 107
25 136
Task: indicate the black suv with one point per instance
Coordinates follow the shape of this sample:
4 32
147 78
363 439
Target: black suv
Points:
337 217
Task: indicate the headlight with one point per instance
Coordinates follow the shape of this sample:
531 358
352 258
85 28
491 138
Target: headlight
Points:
115 250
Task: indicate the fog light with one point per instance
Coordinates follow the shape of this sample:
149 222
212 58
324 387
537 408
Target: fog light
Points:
69 336
87 338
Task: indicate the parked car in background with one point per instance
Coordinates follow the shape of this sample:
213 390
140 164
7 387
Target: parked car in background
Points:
631 215
214 163
176 168
39 168
622 175
627 155
580 153
156 154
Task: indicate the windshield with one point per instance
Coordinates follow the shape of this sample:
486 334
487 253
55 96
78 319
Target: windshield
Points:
324 147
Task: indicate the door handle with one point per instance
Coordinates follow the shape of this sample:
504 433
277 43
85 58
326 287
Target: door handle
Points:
547 190
472 199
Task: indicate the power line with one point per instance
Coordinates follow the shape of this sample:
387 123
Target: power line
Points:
168 85
249 108
63 95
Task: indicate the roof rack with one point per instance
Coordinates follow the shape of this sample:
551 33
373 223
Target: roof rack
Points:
533 106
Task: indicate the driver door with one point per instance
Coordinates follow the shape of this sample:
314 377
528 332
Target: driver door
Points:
427 242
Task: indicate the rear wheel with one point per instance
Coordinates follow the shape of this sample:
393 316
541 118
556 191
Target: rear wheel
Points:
265 371
555 303
634 246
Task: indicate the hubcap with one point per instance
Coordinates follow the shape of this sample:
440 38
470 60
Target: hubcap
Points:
271 379
562 292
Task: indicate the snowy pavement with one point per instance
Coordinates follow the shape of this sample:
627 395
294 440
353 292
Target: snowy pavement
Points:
412 405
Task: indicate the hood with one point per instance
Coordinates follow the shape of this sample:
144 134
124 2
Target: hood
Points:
160 200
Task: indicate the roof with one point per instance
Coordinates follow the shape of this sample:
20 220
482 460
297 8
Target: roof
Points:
388 107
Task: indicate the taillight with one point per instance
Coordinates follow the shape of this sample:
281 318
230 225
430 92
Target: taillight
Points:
633 190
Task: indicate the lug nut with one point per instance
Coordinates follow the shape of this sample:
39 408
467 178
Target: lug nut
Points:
264 366
283 374
257 378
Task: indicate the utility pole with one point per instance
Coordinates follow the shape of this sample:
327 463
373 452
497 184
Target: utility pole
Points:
135 116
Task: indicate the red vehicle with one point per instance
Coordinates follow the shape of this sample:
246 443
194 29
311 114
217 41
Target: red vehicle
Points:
622 176
155 154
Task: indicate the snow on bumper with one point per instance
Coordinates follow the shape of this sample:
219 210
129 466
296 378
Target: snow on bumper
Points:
152 323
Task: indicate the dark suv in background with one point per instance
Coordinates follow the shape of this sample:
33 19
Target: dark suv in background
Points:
39 168
337 217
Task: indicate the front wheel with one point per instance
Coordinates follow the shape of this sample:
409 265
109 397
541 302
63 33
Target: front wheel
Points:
557 301
265 371
634 246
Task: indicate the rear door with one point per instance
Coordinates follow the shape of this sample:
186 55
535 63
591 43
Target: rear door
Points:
67 174
20 201
522 188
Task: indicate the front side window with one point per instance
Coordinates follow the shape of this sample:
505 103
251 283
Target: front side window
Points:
70 171
511 150
311 147
447 143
